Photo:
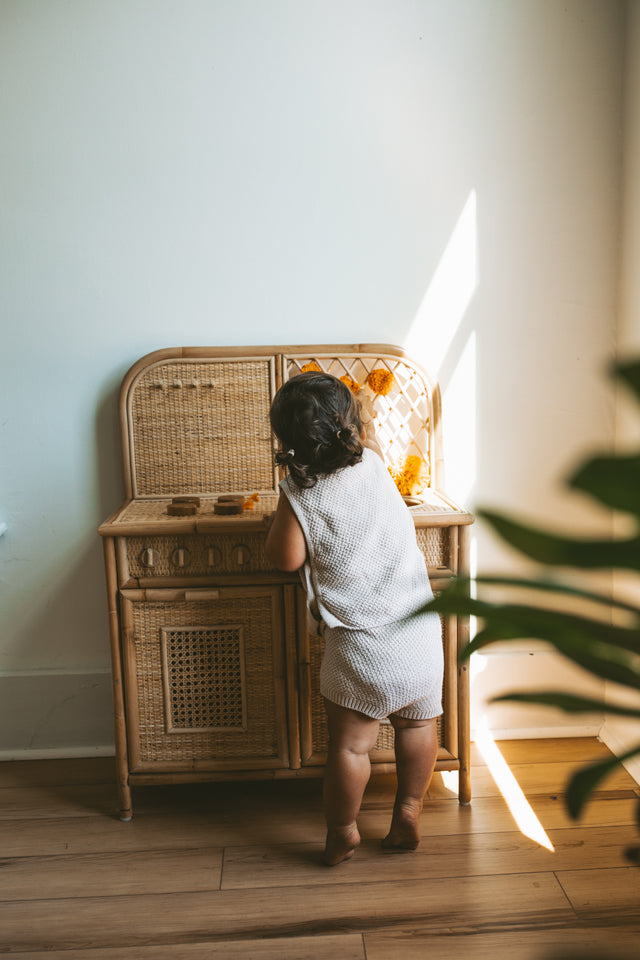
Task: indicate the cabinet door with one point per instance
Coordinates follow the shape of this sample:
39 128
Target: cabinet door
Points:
204 679
314 735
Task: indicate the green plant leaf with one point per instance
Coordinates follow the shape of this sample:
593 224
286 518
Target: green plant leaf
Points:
612 480
459 591
607 650
520 621
598 654
548 548
567 702
629 372
555 586
584 782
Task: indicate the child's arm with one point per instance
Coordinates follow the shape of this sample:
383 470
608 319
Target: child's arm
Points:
286 547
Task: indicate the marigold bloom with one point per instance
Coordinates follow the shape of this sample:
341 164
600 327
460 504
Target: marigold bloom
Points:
411 475
312 365
381 381
353 385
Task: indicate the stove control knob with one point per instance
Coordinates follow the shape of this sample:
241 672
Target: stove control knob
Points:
147 558
213 557
180 557
241 555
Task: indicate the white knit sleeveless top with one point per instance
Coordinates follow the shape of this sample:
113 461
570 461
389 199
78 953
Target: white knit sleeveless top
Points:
366 568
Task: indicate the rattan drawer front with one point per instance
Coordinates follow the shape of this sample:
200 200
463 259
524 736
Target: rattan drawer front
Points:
204 680
438 549
196 555
313 725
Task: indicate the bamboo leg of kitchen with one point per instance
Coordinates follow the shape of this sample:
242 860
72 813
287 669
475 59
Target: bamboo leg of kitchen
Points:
293 705
122 765
464 706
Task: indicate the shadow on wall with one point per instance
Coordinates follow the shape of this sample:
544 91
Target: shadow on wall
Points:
64 703
108 452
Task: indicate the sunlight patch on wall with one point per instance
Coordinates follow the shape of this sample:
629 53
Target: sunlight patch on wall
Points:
448 295
436 340
459 415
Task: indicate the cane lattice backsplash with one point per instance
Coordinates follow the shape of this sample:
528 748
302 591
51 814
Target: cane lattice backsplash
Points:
200 425
402 417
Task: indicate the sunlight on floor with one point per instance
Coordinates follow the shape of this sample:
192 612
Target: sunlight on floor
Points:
509 787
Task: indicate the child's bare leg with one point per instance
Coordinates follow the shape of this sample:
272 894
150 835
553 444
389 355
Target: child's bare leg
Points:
416 748
351 736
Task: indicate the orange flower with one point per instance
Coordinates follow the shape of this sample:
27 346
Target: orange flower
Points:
353 385
411 476
381 381
312 365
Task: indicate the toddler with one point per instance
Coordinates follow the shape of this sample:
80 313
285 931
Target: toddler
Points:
341 520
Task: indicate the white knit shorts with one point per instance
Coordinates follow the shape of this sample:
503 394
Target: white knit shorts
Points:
395 668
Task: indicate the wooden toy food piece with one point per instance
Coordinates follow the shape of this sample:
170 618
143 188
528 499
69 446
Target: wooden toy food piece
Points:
228 504
183 506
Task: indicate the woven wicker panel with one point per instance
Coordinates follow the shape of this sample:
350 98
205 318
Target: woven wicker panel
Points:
383 750
402 417
204 680
433 542
201 427
259 737
202 554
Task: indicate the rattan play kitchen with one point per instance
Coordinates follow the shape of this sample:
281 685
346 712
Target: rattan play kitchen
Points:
215 669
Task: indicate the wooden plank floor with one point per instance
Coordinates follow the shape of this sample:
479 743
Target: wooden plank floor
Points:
234 870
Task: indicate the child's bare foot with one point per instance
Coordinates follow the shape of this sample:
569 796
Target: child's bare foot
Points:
341 844
405 826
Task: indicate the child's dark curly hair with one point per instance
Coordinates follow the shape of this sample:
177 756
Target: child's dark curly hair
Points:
317 422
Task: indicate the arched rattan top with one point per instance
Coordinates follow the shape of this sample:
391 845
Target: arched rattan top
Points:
194 420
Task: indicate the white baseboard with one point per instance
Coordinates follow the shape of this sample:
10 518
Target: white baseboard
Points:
52 713
618 746
545 733
58 753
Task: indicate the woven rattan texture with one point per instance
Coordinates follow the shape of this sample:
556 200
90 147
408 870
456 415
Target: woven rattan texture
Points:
402 416
201 427
213 616
204 677
434 544
201 555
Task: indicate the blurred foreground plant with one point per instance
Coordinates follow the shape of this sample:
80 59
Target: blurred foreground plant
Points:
608 645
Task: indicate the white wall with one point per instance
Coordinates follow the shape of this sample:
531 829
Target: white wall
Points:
274 171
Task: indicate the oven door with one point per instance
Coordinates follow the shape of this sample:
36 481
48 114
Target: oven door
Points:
204 674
